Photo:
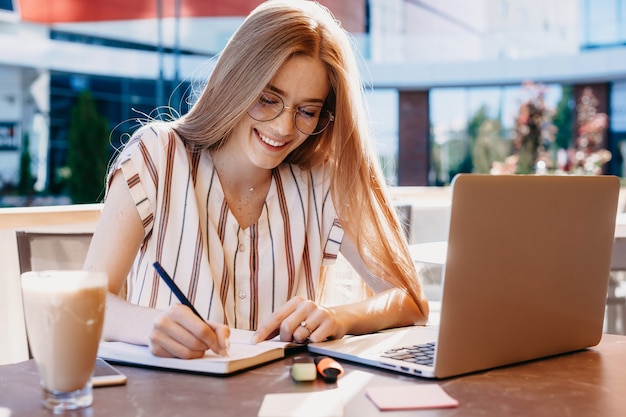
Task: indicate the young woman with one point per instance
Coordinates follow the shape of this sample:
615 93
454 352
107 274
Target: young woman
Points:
245 199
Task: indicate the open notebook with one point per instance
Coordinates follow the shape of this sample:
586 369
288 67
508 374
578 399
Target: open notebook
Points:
526 276
242 355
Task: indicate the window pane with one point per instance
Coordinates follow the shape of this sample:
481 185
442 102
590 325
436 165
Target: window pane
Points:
383 118
6 5
471 128
602 22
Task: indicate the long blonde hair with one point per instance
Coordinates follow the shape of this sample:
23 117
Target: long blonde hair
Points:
275 31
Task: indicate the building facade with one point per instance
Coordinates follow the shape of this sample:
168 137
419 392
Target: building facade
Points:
438 62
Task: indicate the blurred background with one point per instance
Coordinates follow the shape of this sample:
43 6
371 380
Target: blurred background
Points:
489 86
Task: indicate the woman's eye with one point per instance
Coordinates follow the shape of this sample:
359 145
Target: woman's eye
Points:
267 101
310 112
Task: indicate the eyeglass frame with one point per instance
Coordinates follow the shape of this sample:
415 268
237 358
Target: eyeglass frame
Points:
296 110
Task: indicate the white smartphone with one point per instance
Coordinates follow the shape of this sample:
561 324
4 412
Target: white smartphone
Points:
106 375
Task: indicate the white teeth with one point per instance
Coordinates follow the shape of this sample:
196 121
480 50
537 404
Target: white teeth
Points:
270 141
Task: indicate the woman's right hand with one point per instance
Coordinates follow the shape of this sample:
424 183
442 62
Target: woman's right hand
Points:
178 332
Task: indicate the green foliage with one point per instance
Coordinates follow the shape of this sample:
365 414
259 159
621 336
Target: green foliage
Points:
477 120
564 118
25 186
473 127
88 154
489 146
450 158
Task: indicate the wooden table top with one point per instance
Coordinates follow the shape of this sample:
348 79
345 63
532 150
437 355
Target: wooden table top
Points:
591 383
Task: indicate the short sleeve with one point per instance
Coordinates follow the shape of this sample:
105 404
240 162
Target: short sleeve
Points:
331 250
138 162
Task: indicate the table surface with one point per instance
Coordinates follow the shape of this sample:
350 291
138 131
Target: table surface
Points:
591 382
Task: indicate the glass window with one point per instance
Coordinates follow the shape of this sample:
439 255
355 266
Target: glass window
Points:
449 114
6 5
617 118
382 106
621 30
471 128
602 20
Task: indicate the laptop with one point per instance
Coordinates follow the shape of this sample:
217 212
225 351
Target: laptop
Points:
526 276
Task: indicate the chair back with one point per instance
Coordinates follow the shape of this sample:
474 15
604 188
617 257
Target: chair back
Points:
52 250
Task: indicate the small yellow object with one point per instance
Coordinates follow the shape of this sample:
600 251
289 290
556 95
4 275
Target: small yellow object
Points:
303 369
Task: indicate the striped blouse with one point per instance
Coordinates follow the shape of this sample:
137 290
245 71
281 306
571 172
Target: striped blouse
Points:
231 275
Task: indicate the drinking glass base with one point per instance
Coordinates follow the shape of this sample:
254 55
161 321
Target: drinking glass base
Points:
59 402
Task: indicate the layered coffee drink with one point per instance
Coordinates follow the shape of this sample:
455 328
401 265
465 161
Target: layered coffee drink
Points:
64 313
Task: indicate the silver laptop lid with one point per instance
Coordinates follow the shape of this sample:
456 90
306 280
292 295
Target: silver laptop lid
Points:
527 268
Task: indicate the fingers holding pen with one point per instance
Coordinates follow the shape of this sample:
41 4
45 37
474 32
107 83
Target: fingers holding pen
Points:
178 332
181 331
170 338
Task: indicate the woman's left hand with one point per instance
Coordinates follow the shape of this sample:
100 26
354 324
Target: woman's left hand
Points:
301 320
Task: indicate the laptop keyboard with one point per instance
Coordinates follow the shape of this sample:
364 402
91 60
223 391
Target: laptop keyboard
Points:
423 354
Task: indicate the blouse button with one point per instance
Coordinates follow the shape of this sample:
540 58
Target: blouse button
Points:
242 294
242 247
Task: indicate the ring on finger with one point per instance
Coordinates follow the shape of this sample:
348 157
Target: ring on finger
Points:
304 324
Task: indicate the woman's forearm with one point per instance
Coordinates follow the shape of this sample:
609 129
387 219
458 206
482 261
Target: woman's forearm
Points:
391 308
127 322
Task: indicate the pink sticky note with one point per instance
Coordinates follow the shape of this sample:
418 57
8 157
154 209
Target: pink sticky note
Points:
410 397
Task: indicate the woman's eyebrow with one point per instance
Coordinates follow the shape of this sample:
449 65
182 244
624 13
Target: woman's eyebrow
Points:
282 93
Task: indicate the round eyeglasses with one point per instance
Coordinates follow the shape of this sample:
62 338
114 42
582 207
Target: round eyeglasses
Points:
309 119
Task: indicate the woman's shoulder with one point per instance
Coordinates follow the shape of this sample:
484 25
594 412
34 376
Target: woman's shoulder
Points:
154 131
154 136
150 142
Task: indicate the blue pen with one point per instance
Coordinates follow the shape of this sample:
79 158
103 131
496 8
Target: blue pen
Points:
181 297
177 292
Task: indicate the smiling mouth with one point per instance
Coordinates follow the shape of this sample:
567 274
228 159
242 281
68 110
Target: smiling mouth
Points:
270 142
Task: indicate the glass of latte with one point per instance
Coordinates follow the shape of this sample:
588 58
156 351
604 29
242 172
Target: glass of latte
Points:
64 312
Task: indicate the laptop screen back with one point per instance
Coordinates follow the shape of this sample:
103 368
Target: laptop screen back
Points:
527 268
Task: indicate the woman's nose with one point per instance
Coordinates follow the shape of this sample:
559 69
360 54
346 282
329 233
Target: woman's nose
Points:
286 121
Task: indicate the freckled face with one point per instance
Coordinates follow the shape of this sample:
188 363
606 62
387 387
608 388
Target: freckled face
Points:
300 81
